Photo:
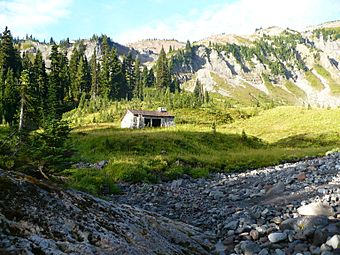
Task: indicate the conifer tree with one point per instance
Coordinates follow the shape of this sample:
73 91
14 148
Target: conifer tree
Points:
39 84
9 56
199 92
94 67
129 75
64 85
53 110
74 62
9 59
138 83
116 76
151 78
25 98
162 74
105 68
10 97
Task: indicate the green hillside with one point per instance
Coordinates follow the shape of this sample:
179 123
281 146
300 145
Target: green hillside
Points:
268 138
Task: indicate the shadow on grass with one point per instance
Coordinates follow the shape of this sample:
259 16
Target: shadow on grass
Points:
151 155
307 140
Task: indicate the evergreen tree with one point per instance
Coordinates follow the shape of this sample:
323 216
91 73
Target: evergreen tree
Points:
53 104
129 75
162 75
199 92
137 92
116 76
144 76
9 60
94 67
9 57
151 78
10 97
74 62
25 98
105 85
82 79
39 84
64 85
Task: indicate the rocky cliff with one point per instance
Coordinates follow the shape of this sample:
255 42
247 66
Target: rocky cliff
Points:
40 218
274 64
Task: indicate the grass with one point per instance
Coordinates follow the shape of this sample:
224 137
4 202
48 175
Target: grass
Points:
282 122
245 138
295 89
314 81
150 155
334 86
244 95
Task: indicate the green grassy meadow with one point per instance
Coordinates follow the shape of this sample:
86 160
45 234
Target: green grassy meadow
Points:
242 139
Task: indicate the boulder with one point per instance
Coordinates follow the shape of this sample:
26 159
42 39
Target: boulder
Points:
277 237
316 208
334 242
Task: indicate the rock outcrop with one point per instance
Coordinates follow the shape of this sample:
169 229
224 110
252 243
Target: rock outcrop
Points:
40 218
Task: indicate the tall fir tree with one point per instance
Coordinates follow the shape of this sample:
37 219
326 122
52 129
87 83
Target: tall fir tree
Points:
64 84
129 75
199 93
137 92
73 67
105 85
39 83
9 60
9 56
116 77
10 97
163 78
53 105
94 67
151 78
25 99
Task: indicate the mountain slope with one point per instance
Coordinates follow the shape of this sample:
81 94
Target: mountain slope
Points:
274 64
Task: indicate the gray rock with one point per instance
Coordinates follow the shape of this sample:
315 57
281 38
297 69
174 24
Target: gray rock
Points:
304 222
279 252
254 234
277 237
176 184
278 188
317 209
319 237
216 194
232 225
264 251
334 242
220 248
61 221
250 248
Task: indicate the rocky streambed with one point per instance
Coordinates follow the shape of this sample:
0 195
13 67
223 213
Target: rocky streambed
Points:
287 209
292 208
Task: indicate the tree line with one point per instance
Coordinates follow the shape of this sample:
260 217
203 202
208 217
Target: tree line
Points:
32 93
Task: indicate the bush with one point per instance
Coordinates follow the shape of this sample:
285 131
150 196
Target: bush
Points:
93 181
48 150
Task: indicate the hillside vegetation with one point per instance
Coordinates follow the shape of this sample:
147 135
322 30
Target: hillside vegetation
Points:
202 142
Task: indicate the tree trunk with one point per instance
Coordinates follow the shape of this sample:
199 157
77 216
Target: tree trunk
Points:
21 120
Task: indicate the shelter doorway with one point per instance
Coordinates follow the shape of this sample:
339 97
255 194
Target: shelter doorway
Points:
156 122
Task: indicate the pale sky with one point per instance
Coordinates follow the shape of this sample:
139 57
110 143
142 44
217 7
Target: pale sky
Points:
132 20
